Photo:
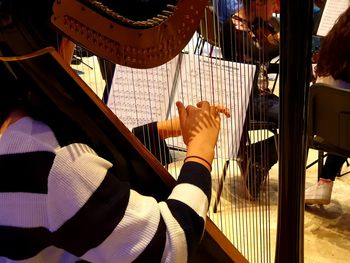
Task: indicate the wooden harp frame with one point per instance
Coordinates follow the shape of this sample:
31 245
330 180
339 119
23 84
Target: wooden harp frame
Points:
70 99
134 47
293 96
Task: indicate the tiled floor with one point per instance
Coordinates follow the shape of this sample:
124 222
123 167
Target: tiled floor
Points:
251 225
327 228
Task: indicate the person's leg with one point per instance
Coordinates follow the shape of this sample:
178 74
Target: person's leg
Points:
321 192
266 108
261 155
264 152
332 166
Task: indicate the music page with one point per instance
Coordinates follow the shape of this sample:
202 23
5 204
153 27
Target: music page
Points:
141 96
221 83
332 10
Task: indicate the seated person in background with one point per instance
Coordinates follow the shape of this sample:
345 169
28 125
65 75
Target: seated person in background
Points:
333 67
225 8
61 203
250 27
249 37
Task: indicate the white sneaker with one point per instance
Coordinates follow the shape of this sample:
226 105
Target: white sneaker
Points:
320 193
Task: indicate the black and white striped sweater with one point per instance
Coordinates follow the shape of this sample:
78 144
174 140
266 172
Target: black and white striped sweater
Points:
60 204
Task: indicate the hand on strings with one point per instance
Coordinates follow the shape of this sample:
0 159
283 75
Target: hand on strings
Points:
172 128
200 129
222 109
169 128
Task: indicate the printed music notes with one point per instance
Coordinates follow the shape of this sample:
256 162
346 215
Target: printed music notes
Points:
222 83
331 12
139 96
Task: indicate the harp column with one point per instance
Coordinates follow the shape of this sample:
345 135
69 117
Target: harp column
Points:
295 59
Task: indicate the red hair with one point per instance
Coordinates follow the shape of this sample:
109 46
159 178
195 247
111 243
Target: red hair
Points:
334 56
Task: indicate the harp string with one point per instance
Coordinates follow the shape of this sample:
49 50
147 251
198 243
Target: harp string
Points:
256 136
245 223
212 29
224 220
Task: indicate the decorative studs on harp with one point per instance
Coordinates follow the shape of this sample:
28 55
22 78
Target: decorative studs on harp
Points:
151 22
91 36
131 55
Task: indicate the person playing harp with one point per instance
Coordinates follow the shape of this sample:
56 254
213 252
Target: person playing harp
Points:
48 189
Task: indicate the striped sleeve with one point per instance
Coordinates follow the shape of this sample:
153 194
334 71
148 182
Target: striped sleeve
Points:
100 219
186 210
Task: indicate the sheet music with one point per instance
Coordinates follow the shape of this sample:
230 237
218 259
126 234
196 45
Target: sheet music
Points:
219 82
142 96
332 10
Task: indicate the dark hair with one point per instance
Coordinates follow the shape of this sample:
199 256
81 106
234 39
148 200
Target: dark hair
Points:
13 92
24 28
334 55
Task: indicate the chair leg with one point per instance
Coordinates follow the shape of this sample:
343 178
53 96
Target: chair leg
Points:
320 164
221 185
201 47
311 164
211 51
274 84
342 174
198 44
276 142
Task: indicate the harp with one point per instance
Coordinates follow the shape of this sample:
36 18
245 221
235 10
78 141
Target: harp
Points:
77 19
